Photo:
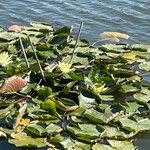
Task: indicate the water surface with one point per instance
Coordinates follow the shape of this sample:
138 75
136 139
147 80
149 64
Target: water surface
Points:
129 16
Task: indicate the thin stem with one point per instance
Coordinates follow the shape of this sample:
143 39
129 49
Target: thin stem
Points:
24 53
107 39
77 39
42 73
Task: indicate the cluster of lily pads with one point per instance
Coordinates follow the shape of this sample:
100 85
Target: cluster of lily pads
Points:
59 96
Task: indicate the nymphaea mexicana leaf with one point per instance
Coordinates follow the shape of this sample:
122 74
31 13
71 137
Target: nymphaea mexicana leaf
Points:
13 84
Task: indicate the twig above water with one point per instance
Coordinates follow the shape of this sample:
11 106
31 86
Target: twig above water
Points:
24 53
77 39
36 57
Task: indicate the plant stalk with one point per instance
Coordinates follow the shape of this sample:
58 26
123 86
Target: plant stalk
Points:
24 53
76 42
41 70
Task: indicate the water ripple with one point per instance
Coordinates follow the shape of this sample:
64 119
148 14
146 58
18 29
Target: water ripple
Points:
132 17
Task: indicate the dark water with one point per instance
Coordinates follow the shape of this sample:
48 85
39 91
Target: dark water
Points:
129 16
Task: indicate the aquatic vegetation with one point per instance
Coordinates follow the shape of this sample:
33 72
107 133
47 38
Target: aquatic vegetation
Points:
60 93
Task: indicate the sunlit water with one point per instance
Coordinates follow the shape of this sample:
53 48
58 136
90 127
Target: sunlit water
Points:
129 16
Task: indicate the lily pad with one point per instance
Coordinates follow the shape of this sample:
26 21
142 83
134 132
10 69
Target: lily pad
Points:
28 142
145 66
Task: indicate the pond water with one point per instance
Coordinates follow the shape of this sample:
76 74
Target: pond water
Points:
129 16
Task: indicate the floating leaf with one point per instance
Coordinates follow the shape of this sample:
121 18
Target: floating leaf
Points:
86 100
95 116
134 126
36 129
98 146
84 130
41 26
143 96
113 48
44 92
121 145
145 66
13 84
66 143
141 47
28 142
112 132
114 35
65 30
53 129
50 106
18 135
15 28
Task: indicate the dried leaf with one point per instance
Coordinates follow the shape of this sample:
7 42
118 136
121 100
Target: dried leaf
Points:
15 28
13 84
114 35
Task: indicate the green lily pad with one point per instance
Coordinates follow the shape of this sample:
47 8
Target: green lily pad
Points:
98 146
134 126
113 133
53 129
145 66
95 116
121 145
36 129
49 105
28 142
84 130
141 47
